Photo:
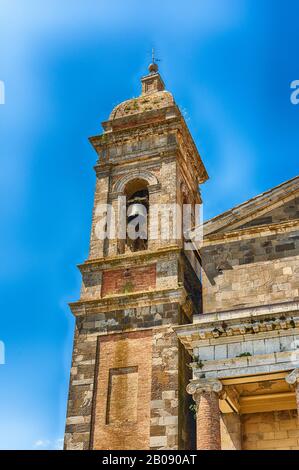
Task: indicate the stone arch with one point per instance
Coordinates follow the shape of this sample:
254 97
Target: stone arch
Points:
121 184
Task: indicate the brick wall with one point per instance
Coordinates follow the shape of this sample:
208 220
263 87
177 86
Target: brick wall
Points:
270 431
122 394
90 361
120 281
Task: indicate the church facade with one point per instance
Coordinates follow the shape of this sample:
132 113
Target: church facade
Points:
179 348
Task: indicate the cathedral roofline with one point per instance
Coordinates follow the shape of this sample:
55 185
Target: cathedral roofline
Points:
262 202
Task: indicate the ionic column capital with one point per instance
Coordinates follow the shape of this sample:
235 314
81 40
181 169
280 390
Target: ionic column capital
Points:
293 377
197 387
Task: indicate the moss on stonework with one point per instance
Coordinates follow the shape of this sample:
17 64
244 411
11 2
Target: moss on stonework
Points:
128 287
193 409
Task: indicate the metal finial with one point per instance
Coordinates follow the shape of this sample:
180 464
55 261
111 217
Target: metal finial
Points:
153 55
153 67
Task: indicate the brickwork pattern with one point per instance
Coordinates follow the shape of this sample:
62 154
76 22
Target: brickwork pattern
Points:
132 273
113 427
208 422
120 281
162 365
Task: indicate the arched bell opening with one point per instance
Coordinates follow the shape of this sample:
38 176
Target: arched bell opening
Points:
137 208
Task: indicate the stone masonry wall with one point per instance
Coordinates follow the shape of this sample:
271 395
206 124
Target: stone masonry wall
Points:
230 428
250 272
164 395
287 211
128 319
192 285
277 430
124 344
97 246
79 412
83 411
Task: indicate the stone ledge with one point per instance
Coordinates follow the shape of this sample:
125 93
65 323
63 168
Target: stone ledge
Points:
133 257
239 372
209 320
121 301
247 233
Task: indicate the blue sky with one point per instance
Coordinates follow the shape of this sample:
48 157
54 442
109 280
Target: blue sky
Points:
229 64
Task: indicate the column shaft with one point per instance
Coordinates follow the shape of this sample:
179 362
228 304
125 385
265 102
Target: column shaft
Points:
208 422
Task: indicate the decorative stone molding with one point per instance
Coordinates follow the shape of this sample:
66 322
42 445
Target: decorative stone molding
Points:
120 185
197 387
293 377
154 188
246 321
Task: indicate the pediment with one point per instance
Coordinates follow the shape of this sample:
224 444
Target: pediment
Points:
277 205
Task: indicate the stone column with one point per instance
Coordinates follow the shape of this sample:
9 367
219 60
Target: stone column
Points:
293 379
205 394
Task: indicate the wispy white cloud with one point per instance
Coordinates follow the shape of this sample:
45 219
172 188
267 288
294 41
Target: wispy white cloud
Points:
47 444
41 444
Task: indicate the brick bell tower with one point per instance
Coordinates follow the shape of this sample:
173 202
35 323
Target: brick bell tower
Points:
129 375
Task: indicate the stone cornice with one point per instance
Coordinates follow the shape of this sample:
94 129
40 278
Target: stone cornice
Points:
133 257
255 207
250 321
136 158
186 143
122 135
247 233
139 120
192 155
129 300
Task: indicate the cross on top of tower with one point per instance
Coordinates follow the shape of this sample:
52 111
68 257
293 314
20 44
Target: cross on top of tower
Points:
153 67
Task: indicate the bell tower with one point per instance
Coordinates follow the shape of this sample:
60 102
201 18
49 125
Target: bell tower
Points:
129 375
